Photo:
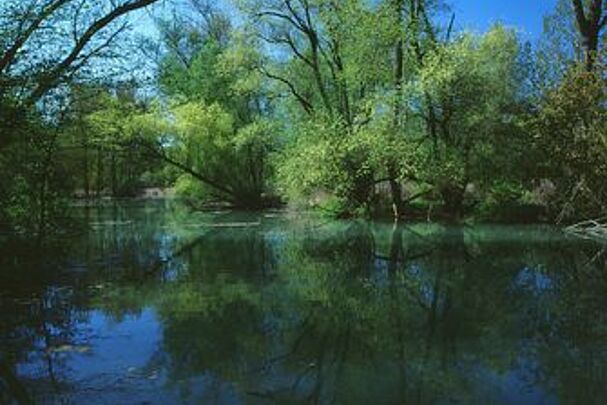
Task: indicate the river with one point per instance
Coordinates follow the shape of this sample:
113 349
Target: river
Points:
155 304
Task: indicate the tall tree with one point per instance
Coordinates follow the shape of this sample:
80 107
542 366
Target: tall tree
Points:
320 53
395 184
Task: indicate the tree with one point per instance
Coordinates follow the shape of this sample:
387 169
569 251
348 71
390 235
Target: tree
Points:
470 86
319 59
103 128
570 129
218 137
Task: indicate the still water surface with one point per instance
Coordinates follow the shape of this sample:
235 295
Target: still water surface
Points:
158 305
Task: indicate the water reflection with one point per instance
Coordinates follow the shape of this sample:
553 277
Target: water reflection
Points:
158 305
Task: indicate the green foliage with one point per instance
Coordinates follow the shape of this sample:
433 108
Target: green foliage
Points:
34 184
190 189
326 158
95 142
571 130
40 69
504 202
230 162
338 105
471 86
214 129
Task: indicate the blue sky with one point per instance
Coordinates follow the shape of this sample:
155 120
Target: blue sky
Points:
524 15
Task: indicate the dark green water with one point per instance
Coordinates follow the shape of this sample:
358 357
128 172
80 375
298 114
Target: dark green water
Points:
156 305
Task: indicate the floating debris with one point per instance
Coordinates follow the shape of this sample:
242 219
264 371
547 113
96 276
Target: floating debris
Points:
270 215
69 349
593 228
234 224
223 225
110 223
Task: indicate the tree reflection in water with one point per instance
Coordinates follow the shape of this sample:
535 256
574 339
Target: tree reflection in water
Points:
293 310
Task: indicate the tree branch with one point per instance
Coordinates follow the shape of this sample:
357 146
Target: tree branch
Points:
283 17
307 106
51 78
9 56
580 15
106 44
156 153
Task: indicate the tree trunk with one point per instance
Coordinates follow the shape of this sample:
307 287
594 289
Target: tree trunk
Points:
453 197
395 186
396 191
590 22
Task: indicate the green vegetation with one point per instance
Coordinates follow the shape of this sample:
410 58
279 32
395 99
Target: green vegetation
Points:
357 108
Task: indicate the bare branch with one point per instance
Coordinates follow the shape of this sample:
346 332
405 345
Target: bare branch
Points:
307 106
290 42
270 13
9 56
97 51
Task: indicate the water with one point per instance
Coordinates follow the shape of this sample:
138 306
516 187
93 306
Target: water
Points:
156 305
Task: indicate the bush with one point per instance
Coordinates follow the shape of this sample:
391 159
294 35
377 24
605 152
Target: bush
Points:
192 191
508 202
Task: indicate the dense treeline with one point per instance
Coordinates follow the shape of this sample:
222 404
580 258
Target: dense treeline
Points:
351 106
